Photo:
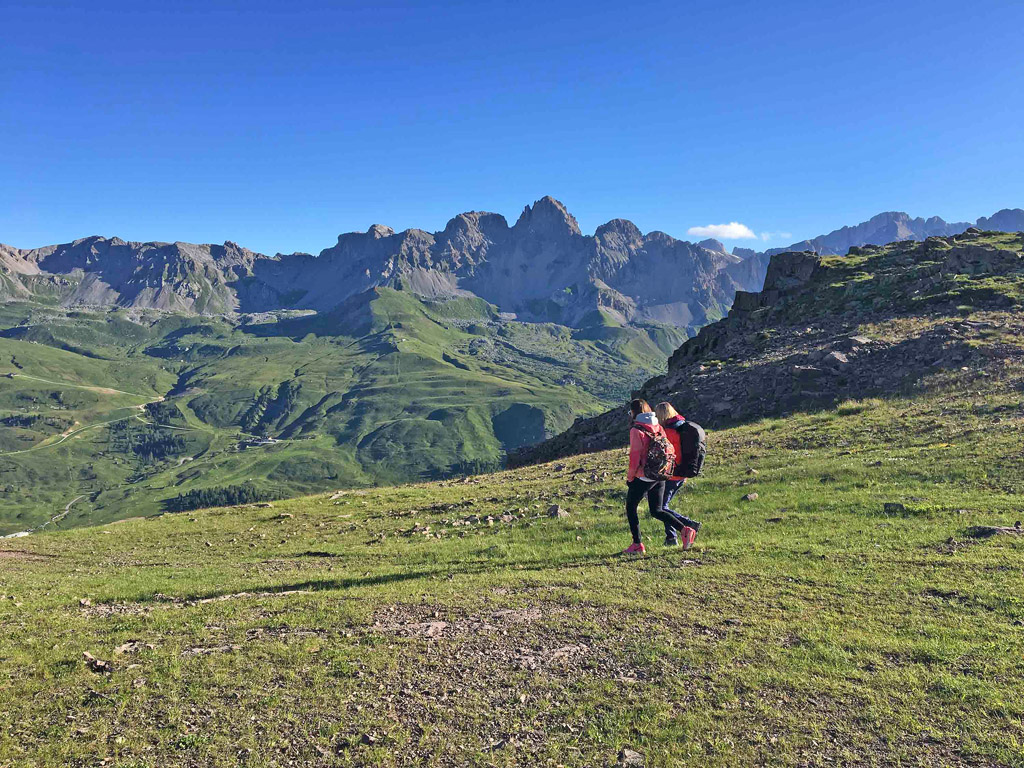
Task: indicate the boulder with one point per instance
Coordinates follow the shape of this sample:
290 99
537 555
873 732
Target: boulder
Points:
835 360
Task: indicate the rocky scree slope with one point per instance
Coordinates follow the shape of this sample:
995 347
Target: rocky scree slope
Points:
542 268
878 322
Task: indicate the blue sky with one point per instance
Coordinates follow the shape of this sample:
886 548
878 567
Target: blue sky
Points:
280 125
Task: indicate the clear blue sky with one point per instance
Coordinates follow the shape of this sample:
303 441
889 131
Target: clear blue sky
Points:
280 125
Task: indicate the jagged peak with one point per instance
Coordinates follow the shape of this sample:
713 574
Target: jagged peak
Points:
375 232
712 245
548 212
380 230
474 219
623 227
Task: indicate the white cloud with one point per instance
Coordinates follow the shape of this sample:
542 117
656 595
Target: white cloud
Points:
776 235
731 231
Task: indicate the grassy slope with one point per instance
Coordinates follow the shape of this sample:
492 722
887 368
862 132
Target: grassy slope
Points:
807 627
378 391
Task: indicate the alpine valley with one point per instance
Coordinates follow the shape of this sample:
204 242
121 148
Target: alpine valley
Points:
142 377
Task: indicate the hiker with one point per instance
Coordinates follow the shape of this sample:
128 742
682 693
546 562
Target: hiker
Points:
672 423
651 461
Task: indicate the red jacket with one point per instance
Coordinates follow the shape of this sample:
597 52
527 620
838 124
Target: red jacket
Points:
639 440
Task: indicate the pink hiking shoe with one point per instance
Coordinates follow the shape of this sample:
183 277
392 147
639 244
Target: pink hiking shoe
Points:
686 537
635 549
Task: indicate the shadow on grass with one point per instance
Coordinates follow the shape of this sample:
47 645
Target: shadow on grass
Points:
469 568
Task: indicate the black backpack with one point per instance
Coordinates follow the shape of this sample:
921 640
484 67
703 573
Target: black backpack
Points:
693 447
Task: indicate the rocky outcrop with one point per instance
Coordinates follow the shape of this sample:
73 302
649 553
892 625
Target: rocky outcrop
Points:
798 344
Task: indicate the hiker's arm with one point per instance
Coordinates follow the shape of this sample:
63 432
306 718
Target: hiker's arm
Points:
635 454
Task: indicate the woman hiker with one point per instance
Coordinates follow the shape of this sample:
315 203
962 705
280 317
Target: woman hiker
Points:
670 420
643 428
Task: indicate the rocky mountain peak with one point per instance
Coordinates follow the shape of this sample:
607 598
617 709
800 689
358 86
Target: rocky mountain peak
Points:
713 245
619 232
377 231
1006 220
548 217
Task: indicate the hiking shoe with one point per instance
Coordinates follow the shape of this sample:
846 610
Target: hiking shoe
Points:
688 535
671 541
635 549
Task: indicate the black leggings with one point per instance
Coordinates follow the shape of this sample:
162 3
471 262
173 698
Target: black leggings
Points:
655 493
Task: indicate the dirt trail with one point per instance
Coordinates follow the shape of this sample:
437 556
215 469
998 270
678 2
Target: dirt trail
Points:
50 442
101 390
59 516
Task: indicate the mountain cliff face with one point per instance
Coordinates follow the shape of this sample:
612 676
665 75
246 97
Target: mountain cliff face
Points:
541 268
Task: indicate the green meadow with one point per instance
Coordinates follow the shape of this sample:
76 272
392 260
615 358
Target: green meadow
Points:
864 609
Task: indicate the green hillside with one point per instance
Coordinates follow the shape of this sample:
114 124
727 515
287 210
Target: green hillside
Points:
386 388
862 610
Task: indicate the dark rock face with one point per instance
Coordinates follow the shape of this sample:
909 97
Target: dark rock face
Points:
795 345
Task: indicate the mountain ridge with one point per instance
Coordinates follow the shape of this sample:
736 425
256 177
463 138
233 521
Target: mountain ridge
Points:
542 268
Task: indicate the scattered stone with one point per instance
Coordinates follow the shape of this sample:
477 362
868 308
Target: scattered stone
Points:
751 471
284 516
835 359
198 651
988 531
132 646
751 497
630 759
96 665
556 511
85 602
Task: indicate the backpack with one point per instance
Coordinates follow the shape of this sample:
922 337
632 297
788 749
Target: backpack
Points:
693 447
660 458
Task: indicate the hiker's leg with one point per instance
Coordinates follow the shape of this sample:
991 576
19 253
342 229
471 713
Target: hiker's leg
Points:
656 503
635 491
671 486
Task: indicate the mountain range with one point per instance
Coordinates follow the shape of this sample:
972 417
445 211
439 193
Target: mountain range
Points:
895 226
542 268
